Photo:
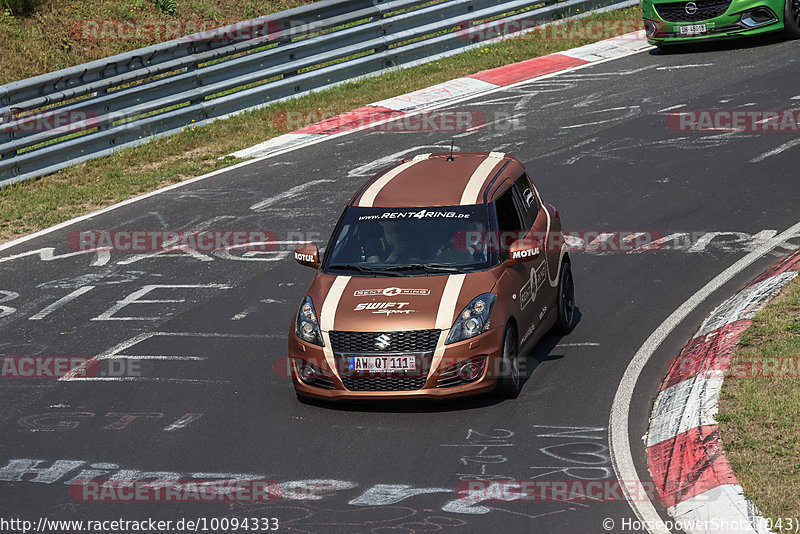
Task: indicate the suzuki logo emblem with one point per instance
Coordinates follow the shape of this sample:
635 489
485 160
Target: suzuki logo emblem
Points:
382 341
691 8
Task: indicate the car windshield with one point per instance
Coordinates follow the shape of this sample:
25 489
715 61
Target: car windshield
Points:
410 241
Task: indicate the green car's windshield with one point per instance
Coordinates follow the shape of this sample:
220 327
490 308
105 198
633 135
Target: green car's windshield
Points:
410 241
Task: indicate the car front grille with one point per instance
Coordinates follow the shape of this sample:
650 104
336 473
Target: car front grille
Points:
381 383
419 343
402 341
706 9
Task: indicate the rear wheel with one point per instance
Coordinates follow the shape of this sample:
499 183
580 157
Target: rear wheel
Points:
566 300
791 19
509 381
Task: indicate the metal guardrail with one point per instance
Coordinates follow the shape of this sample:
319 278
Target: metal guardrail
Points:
99 107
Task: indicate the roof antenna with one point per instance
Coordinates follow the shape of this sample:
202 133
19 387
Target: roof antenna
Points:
452 143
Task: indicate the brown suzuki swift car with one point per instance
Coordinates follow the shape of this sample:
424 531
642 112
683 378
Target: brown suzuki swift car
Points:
440 273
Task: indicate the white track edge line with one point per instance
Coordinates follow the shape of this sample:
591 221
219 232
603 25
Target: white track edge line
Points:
618 435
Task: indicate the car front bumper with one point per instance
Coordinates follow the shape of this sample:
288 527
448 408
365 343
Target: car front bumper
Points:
487 346
663 19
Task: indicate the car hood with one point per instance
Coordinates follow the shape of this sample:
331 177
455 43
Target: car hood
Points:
374 304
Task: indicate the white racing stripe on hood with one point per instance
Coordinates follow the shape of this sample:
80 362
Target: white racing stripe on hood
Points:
446 315
368 198
327 315
473 189
447 306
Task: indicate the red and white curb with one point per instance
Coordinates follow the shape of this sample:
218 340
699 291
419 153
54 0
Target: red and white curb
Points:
684 453
456 89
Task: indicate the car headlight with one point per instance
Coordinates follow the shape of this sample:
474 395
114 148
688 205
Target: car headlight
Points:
473 320
307 325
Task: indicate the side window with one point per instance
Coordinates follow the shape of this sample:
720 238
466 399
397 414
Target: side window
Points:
528 199
509 221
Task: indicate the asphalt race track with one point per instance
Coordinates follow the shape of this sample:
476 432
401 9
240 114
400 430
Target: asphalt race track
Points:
201 397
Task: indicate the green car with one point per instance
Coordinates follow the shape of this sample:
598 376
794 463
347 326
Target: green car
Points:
668 23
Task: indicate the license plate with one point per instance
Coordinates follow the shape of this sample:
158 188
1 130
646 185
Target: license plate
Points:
373 364
693 29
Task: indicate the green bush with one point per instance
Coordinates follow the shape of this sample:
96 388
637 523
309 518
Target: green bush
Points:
21 7
167 6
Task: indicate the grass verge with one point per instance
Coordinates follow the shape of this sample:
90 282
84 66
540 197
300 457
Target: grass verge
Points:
49 36
36 204
760 416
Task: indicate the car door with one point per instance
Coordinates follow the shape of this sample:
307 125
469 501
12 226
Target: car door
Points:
513 224
535 223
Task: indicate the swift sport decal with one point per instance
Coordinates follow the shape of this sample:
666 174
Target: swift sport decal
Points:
387 308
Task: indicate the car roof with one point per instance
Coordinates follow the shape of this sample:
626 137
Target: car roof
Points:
432 180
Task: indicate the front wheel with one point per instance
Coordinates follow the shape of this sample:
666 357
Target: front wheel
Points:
791 19
509 381
566 300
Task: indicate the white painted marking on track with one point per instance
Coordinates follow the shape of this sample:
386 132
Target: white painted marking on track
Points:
671 108
619 432
134 298
775 151
244 313
102 255
585 344
116 352
690 66
286 195
60 302
183 422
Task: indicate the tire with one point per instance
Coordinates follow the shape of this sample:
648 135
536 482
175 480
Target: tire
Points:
791 19
565 301
509 382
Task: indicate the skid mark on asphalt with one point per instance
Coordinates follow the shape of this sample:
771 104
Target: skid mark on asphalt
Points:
289 194
775 151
